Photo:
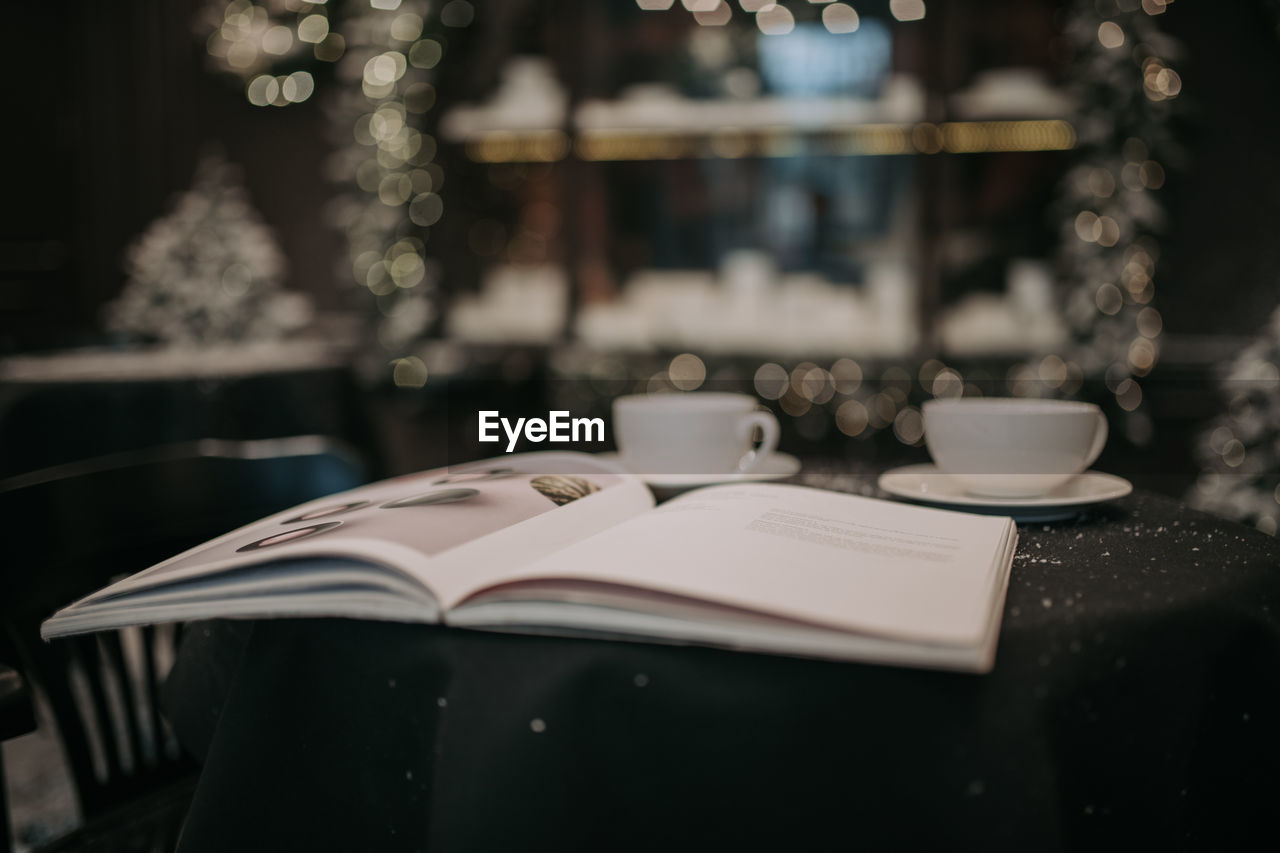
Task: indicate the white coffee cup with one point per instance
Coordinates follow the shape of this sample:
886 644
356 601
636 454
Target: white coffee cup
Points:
1013 448
693 433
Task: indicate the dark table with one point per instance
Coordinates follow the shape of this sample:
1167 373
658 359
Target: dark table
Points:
1135 703
78 404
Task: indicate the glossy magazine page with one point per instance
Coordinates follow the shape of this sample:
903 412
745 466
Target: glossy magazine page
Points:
437 530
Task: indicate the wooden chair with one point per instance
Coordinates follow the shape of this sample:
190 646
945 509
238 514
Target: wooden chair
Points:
17 717
74 528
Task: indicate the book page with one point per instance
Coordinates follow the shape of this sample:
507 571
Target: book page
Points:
825 559
436 527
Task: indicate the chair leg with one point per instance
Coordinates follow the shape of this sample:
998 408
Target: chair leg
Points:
17 717
6 830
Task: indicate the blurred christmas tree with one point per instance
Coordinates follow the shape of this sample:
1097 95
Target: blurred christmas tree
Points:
1122 76
1240 450
207 272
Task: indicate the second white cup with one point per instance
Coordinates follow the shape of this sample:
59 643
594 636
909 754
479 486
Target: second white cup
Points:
1013 448
694 433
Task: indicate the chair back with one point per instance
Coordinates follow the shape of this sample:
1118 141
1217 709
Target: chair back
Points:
74 528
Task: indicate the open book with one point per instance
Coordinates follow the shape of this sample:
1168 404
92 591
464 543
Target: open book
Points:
567 544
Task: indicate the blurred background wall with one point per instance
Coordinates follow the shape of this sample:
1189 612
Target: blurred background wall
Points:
582 167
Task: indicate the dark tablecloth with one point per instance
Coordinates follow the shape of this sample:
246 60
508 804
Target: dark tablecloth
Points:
1135 703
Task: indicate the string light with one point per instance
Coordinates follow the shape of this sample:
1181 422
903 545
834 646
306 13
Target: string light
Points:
248 39
1108 254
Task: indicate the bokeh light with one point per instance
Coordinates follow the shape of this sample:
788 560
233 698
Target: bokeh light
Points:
907 10
908 426
457 13
852 418
775 20
717 16
847 375
840 18
771 380
409 372
1110 35
687 372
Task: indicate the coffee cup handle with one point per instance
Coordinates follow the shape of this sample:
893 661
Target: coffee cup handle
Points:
1099 440
746 429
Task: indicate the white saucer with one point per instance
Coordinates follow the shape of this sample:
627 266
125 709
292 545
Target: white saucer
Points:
926 484
775 466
